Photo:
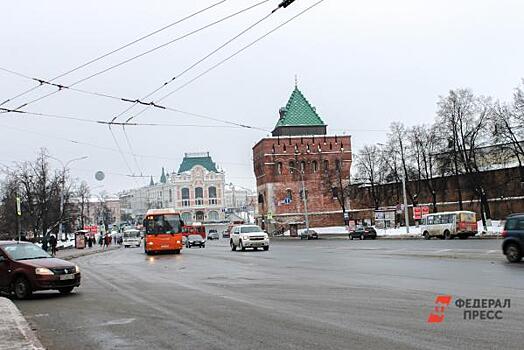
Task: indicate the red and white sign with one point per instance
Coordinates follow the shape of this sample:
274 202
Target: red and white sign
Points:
418 212
92 229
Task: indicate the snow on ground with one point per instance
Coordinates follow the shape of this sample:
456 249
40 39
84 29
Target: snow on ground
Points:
495 228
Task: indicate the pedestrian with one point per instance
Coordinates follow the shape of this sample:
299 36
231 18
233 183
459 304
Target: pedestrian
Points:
89 242
44 243
53 242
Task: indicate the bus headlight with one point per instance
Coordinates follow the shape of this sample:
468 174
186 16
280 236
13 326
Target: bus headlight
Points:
150 243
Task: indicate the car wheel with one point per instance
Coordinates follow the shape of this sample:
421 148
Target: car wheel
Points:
447 235
65 290
513 253
22 288
241 246
426 235
351 237
233 246
266 247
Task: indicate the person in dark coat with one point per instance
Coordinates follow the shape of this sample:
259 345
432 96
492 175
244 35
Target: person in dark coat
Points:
53 242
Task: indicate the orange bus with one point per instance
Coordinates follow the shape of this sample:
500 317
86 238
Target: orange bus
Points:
163 231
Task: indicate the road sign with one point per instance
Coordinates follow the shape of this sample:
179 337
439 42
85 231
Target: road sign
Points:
99 175
420 211
270 215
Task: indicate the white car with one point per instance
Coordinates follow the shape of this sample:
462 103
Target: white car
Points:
248 236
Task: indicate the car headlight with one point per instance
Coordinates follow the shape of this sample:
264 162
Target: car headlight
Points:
43 271
266 237
245 237
77 269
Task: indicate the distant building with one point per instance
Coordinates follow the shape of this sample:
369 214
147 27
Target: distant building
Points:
299 144
196 190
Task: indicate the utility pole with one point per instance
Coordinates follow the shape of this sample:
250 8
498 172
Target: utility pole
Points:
406 212
304 197
18 215
64 168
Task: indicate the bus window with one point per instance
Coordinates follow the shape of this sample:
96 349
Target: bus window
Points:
172 224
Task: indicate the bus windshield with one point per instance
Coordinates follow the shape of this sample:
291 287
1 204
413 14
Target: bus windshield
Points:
168 223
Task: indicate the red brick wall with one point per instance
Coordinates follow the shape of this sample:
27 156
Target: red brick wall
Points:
274 180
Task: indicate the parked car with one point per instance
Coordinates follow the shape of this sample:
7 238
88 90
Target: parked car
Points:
311 234
363 232
213 234
25 268
248 236
513 244
195 240
227 232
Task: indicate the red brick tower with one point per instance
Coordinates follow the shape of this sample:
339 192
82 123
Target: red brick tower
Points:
299 148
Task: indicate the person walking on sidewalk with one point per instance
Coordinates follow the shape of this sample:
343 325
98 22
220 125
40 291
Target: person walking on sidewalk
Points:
53 242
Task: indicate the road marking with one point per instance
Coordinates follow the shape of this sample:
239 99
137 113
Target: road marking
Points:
118 322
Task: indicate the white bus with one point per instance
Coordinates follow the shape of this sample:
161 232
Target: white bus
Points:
448 225
132 238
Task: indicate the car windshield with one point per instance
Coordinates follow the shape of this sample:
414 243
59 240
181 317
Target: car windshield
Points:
25 252
195 237
249 229
131 234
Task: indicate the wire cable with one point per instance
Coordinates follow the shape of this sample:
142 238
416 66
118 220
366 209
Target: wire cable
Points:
96 59
228 58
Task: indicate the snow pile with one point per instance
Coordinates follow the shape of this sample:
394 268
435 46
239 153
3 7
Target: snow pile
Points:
496 227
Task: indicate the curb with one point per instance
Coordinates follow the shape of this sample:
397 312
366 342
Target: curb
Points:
382 238
15 332
87 253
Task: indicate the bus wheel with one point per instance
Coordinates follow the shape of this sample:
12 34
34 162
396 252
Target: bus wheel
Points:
426 235
177 251
447 235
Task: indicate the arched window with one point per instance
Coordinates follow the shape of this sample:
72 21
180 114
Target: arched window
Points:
337 164
326 165
199 196
187 218
314 165
291 167
303 166
199 216
185 197
279 168
212 190
213 216
289 194
260 198
170 195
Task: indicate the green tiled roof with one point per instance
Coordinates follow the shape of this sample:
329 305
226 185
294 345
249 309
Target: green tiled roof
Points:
190 161
298 112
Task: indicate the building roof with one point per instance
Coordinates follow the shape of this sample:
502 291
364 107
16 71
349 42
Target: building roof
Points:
193 159
298 112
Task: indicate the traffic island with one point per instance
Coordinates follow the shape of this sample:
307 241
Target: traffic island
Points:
15 332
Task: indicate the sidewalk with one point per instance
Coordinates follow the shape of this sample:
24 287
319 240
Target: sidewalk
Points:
15 333
72 253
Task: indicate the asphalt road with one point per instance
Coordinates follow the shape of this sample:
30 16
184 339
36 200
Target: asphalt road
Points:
325 294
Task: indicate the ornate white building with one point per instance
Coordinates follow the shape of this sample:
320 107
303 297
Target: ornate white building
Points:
196 190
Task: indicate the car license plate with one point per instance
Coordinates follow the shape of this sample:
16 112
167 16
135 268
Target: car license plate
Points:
164 246
67 277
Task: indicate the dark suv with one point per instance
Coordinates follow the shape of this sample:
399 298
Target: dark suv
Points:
25 267
513 245
363 232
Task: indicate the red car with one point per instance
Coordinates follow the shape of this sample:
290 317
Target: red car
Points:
25 268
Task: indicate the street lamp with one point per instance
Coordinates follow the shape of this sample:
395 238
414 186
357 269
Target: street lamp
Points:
64 167
304 195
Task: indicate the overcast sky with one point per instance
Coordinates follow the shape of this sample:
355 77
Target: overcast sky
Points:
363 64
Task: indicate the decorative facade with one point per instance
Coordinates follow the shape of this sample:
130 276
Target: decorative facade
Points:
300 154
196 190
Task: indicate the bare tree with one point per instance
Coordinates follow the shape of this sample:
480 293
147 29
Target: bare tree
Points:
464 118
83 194
370 170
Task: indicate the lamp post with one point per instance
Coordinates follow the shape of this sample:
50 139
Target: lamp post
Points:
64 167
304 196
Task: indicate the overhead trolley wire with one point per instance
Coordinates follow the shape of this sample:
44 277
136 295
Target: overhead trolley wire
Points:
148 51
227 59
96 59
